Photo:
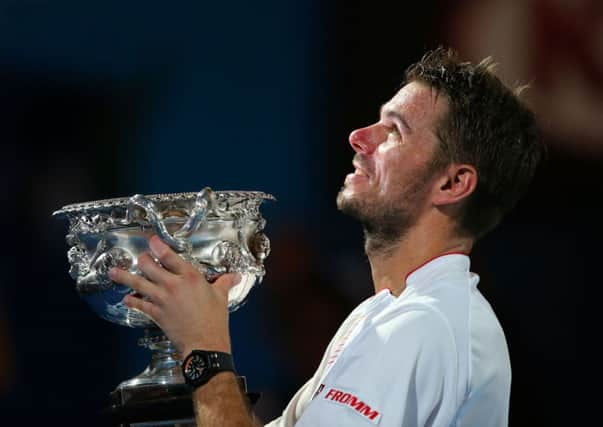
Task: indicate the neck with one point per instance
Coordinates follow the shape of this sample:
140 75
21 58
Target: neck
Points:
420 244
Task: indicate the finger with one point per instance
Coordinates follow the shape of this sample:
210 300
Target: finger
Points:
147 307
153 271
133 281
226 282
168 258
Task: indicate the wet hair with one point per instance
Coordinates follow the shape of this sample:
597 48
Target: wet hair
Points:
487 126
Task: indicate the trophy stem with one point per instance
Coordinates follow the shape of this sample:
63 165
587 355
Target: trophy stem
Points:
164 366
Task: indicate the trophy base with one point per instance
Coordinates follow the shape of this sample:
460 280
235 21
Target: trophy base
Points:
158 396
158 405
151 406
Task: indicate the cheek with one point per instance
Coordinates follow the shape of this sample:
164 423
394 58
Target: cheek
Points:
392 175
388 161
398 173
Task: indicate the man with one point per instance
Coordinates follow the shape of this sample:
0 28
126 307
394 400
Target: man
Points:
452 152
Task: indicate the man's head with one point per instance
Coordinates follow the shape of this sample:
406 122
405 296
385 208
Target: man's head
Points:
454 138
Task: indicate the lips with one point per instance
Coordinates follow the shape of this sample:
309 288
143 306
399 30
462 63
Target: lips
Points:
360 168
360 172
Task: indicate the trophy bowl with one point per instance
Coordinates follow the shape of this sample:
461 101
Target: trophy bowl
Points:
218 232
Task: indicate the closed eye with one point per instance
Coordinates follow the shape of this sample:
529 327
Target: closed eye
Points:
396 117
393 132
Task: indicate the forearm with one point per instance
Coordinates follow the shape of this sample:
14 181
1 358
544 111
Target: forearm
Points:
221 403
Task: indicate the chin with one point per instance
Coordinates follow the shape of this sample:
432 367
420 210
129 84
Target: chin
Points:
345 196
342 197
350 202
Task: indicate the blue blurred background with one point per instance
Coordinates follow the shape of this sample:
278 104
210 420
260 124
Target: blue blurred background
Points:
105 99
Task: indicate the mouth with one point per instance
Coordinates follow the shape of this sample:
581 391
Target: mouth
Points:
360 171
359 176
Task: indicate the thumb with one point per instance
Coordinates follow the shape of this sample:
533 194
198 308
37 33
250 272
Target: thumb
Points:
226 282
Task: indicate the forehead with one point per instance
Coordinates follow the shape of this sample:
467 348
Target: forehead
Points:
419 104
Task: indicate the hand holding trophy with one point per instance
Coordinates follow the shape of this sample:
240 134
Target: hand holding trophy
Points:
216 233
192 312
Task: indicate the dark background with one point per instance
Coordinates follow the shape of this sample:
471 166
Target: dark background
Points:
107 99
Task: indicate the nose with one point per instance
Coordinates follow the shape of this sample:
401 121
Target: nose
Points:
365 140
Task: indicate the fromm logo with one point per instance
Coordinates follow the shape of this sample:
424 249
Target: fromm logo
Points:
348 399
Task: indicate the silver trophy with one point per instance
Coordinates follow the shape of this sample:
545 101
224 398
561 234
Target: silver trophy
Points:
218 232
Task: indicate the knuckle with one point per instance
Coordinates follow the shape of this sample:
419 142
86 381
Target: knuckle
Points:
144 258
190 275
159 298
228 279
155 313
170 286
133 302
136 281
163 256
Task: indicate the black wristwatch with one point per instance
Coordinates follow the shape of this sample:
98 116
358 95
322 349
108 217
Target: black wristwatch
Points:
200 366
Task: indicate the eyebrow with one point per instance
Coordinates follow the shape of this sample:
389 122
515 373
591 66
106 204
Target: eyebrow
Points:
387 112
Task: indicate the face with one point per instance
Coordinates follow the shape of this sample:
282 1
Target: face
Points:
393 160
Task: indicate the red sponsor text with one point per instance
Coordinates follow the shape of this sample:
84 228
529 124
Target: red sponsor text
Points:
353 402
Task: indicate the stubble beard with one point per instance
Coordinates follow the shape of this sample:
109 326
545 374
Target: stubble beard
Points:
385 222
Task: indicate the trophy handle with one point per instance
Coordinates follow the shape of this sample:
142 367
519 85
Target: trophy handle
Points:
204 203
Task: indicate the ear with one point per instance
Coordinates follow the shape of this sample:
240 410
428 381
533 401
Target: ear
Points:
456 183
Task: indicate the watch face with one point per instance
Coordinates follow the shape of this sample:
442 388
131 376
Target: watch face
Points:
194 367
